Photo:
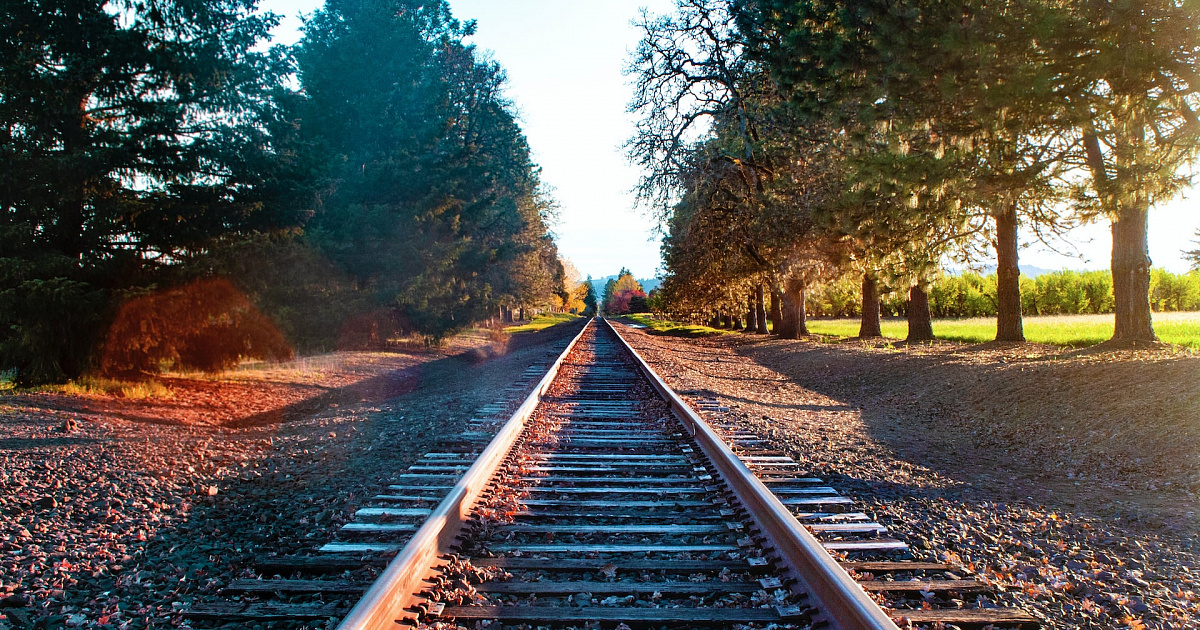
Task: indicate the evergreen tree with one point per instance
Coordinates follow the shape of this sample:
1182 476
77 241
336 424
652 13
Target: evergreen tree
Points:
589 298
131 134
432 202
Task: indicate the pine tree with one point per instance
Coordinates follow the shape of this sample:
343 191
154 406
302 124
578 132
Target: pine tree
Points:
132 134
432 202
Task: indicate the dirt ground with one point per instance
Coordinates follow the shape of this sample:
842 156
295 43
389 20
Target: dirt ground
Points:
1066 479
132 509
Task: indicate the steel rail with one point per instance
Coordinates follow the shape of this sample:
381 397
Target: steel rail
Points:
396 588
843 603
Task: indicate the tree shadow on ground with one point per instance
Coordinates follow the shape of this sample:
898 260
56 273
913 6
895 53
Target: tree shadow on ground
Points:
1018 423
323 466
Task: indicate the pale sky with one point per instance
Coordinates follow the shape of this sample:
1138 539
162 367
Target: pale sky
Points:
564 60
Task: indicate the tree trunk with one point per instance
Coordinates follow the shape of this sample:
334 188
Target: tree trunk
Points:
74 192
737 324
1008 277
727 321
802 320
1130 254
920 324
1131 274
776 312
792 314
760 310
788 316
522 314
715 322
751 313
870 308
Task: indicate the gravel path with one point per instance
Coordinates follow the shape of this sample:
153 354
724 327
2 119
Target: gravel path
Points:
1073 568
106 522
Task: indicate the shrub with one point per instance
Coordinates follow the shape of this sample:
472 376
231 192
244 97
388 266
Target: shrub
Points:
48 327
206 325
974 295
963 295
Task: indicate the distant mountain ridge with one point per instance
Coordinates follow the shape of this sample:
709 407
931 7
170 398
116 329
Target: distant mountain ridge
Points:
648 284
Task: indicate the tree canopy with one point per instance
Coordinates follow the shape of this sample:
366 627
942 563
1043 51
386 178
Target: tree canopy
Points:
786 143
151 145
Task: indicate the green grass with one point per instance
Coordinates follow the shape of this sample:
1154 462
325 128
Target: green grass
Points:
541 322
668 327
137 390
8 379
92 385
1061 330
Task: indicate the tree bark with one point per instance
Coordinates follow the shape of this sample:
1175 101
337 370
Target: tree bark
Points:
788 316
870 326
776 312
737 324
715 322
1131 274
751 313
920 324
1009 326
1130 263
802 319
792 312
727 321
760 310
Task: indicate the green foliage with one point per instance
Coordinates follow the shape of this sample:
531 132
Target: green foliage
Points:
151 145
316 306
1174 292
589 298
131 135
971 294
48 327
1194 254
1070 293
658 325
542 322
839 298
431 204
963 295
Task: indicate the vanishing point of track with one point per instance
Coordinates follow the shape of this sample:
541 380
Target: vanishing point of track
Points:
606 498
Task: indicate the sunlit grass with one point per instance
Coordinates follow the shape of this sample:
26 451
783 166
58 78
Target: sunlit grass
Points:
541 322
668 327
1061 330
848 327
8 379
97 386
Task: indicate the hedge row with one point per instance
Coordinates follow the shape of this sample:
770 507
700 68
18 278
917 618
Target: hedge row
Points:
974 295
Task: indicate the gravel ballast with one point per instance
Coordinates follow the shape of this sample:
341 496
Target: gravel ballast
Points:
114 523
1045 541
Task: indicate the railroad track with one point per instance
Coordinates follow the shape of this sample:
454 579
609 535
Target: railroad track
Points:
605 498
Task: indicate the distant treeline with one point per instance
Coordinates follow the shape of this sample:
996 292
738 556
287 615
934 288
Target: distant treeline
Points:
974 295
176 194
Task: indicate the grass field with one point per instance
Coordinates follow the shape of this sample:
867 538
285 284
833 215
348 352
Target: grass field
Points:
675 328
541 322
1063 330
